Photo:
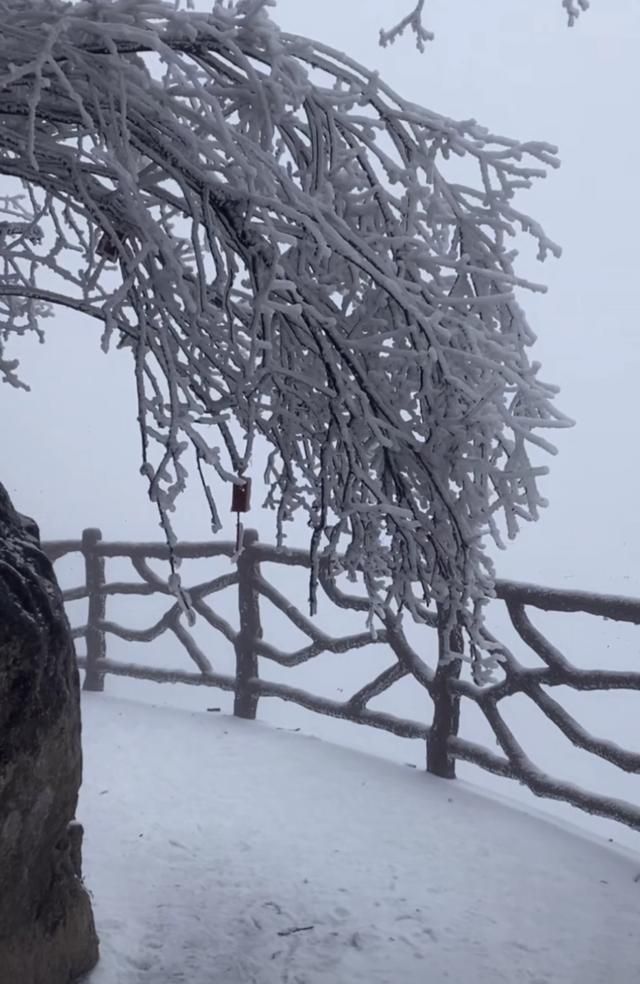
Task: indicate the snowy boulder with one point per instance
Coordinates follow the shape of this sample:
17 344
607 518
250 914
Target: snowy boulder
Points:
47 933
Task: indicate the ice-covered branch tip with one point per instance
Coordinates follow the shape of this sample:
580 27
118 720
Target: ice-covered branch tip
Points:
278 238
414 22
574 8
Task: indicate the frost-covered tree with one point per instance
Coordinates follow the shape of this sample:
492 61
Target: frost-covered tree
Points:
291 251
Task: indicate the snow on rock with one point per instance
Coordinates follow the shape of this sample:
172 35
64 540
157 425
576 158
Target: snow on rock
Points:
225 851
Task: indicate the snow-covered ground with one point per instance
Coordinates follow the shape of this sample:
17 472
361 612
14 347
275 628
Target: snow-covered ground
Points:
227 852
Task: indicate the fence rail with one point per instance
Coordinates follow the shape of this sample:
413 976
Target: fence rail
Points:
446 682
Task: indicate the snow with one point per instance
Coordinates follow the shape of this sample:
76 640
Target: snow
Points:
226 851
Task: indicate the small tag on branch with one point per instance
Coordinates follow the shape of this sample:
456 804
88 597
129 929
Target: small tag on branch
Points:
240 503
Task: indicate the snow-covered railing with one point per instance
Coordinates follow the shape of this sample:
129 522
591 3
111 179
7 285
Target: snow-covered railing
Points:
247 641
556 671
446 684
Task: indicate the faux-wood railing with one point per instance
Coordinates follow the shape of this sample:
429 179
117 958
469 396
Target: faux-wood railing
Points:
446 683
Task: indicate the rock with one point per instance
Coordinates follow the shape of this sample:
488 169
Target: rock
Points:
47 933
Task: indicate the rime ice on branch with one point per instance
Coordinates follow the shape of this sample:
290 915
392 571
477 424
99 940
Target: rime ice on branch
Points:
414 22
273 233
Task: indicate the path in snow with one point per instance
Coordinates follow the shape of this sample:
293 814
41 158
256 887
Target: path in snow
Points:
224 852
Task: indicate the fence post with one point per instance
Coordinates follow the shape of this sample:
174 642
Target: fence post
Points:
446 705
95 637
245 704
